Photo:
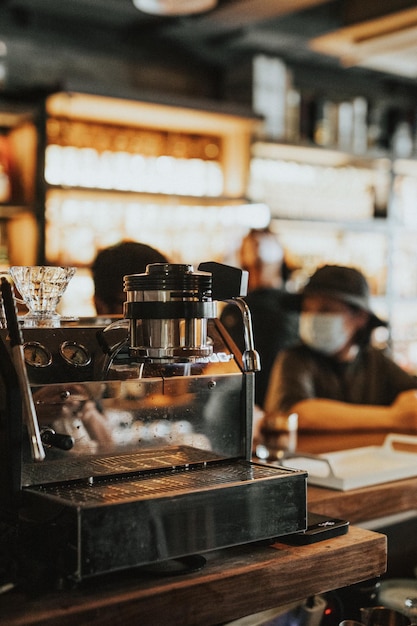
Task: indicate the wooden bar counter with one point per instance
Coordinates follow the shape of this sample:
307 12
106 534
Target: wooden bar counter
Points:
234 582
367 503
238 581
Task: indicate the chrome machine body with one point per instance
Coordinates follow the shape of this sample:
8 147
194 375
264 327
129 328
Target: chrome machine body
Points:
146 430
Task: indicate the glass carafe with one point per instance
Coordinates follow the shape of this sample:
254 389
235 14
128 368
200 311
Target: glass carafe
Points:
41 288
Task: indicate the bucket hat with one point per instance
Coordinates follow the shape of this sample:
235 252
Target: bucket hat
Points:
342 283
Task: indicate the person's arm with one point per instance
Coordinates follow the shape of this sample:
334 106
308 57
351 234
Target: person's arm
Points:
322 414
292 389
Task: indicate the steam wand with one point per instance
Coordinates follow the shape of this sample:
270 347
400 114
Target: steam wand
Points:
16 342
250 357
230 284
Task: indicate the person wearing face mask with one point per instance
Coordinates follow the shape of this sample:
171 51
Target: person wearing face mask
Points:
335 379
274 326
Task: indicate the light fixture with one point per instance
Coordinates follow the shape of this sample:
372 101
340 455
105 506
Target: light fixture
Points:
174 7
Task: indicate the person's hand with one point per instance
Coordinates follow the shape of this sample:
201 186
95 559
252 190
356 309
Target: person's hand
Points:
404 409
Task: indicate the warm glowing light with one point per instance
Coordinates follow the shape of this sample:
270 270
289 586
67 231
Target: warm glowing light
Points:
313 191
80 223
174 7
124 171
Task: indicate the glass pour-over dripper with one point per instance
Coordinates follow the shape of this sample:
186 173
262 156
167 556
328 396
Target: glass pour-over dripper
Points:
41 287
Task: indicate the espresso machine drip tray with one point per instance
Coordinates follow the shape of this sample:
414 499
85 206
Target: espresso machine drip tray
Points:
113 522
189 479
143 461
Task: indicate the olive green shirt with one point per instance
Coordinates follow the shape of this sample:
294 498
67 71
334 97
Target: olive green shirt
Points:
300 373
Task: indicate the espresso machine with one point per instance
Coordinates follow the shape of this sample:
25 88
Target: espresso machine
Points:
129 444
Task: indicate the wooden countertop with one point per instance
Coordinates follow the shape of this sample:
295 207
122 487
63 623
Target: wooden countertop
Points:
234 583
318 442
238 581
367 503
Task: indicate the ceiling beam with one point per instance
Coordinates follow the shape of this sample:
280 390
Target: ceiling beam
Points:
344 39
386 43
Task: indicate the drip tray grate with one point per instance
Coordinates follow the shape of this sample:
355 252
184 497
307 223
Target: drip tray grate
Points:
175 482
132 462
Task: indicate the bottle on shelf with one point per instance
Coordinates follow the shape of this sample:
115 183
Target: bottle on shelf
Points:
5 183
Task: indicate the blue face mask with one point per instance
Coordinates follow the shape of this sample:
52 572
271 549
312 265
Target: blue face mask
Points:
324 332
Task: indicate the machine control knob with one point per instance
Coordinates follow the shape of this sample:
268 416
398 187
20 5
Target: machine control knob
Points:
55 440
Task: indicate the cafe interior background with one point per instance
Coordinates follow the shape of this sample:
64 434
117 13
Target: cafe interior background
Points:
121 120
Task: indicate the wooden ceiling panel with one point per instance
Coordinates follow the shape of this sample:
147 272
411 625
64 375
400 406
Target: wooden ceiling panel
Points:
386 43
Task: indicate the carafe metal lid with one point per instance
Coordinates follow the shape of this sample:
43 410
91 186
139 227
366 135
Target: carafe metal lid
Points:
171 277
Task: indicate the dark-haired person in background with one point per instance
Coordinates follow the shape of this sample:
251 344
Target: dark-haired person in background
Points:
109 267
274 326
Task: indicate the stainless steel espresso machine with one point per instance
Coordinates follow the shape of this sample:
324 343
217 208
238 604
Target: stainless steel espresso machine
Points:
138 448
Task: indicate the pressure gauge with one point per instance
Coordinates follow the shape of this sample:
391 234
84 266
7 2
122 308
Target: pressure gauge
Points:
36 354
75 354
